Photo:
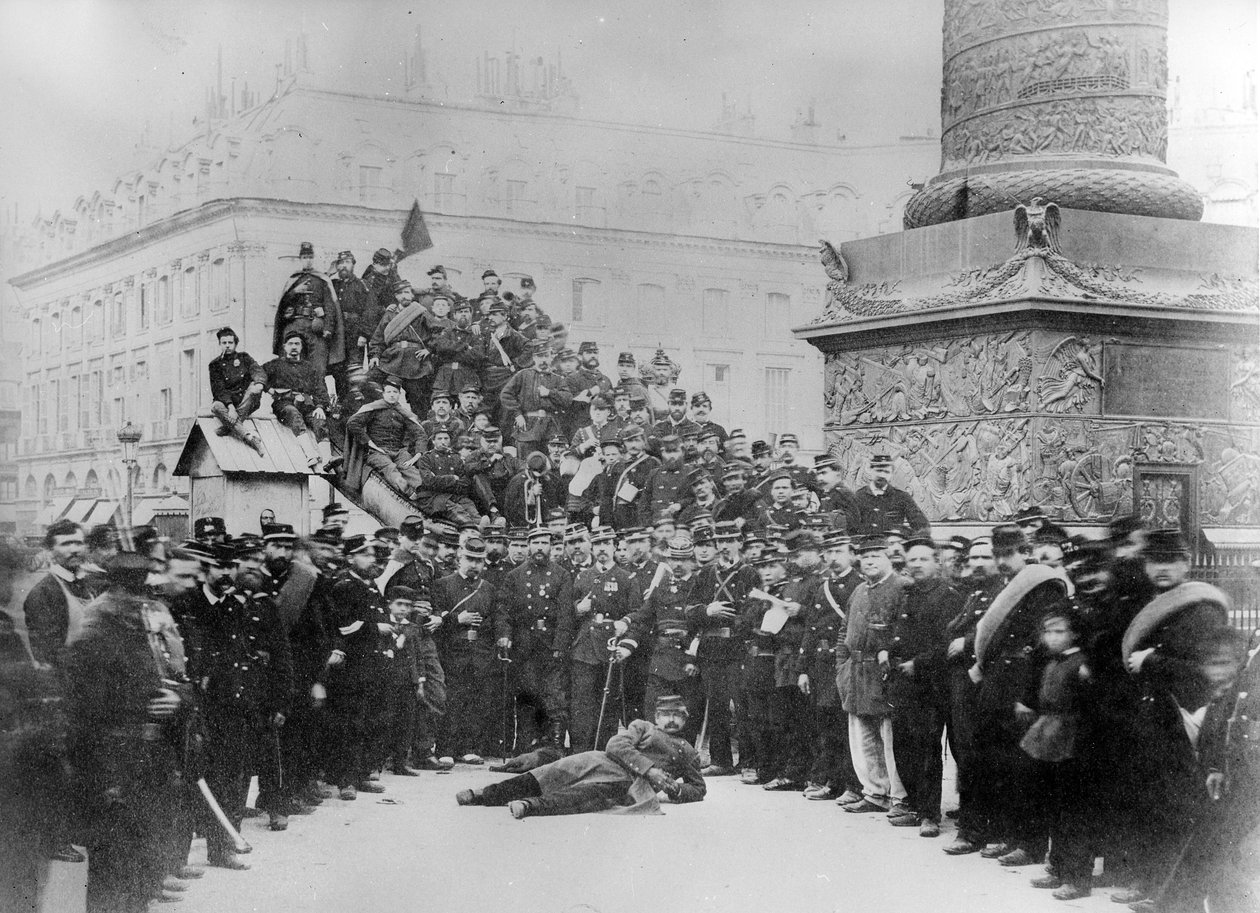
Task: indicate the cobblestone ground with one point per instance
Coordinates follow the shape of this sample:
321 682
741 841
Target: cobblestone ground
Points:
742 849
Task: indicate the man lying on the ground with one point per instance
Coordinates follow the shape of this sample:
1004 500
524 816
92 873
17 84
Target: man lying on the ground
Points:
626 777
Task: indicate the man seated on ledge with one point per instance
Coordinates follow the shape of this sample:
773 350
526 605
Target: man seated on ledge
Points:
626 777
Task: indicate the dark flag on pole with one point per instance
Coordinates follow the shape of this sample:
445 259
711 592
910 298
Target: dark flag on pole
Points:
415 234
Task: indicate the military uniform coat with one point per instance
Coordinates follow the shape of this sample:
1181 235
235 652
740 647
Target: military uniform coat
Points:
664 618
231 375
823 648
454 594
722 640
536 597
630 754
614 596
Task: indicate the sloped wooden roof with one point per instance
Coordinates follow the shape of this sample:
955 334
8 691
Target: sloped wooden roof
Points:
282 454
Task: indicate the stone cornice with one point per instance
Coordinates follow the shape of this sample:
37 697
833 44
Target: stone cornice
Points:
392 219
846 333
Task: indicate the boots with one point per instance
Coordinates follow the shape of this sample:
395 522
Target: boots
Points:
307 442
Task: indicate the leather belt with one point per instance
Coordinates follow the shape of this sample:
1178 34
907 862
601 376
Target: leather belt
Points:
537 413
674 632
718 632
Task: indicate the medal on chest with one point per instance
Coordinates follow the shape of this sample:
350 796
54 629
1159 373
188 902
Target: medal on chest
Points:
610 586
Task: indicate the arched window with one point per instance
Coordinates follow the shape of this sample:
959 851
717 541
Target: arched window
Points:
74 328
164 300
218 285
118 315
35 343
95 331
91 484
72 482
189 294
160 477
30 490
50 488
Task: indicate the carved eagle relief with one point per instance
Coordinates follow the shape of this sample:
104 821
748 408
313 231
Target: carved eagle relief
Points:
833 262
1037 226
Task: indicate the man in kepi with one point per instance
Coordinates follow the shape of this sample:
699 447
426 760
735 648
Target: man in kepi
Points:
880 506
236 386
308 305
299 399
639 764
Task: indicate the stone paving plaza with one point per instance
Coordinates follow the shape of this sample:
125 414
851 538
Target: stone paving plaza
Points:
742 849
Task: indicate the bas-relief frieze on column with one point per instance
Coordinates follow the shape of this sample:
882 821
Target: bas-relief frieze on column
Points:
1120 126
1017 371
980 425
1067 62
969 22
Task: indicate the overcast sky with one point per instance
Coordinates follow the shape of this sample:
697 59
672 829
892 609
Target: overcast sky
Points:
82 77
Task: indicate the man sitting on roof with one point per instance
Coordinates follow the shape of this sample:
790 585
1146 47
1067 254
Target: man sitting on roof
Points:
299 398
236 384
389 433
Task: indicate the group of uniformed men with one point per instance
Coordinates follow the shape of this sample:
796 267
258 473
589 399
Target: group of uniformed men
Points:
607 548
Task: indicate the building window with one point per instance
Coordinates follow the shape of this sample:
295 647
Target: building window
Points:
369 182
74 328
514 196
715 312
652 188
218 285
778 313
118 395
79 383
118 315
63 405
651 306
189 294
777 399
166 404
159 477
50 488
43 406
444 192
52 333
146 304
717 383
139 391
586 307
188 382
35 345
95 331
96 399
164 313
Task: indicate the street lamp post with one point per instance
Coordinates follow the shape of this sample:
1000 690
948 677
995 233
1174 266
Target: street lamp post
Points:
129 436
